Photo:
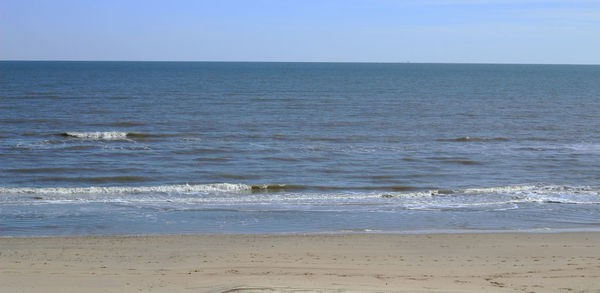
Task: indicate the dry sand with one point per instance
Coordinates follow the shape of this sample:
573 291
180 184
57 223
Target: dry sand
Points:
562 262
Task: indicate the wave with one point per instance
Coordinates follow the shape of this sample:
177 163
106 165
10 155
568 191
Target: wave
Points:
256 193
216 187
548 194
114 135
216 159
292 187
463 162
535 189
98 135
511 194
473 139
284 159
109 135
190 188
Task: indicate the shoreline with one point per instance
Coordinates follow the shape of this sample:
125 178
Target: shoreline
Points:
545 230
350 262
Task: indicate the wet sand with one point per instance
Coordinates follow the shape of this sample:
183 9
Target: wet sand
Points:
522 262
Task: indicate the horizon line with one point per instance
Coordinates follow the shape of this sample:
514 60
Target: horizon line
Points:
249 61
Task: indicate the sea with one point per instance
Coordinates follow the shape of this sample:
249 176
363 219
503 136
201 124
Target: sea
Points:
145 148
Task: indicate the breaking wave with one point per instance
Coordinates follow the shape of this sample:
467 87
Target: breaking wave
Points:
98 135
190 188
473 139
277 197
112 135
217 187
516 193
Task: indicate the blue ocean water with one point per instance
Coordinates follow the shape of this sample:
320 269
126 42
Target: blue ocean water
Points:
203 147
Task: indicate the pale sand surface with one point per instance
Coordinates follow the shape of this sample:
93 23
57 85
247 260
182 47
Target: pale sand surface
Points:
562 262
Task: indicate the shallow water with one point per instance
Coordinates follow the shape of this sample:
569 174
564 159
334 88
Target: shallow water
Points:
200 147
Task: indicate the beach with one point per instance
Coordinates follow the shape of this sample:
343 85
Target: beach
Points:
478 262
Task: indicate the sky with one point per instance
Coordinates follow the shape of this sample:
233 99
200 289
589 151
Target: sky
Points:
446 31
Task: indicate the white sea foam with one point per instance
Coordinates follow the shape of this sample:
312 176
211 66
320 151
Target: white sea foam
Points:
216 187
98 135
504 195
534 189
278 194
542 193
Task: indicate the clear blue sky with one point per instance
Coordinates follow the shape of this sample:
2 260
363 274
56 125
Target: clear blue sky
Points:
480 31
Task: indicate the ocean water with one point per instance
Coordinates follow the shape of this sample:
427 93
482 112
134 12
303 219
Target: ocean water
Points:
91 148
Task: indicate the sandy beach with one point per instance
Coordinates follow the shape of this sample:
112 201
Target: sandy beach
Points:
549 262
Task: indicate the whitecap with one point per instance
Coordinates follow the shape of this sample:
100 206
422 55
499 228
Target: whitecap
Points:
215 187
98 135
